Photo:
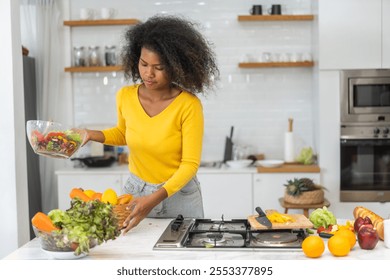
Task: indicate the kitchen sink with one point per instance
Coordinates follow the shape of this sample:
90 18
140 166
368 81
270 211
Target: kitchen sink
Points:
211 164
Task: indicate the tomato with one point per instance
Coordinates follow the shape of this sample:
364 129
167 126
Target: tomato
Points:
320 229
39 136
54 134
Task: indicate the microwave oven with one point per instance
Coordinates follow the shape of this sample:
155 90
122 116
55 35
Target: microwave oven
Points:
365 96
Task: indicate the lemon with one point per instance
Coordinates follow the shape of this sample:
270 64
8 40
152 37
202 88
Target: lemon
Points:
110 196
89 193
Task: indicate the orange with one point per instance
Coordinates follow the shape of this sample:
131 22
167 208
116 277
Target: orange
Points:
339 245
90 193
97 195
348 234
313 246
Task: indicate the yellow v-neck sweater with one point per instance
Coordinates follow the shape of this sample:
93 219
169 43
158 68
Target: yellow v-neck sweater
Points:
164 148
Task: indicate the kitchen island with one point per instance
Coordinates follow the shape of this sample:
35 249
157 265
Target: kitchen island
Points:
138 245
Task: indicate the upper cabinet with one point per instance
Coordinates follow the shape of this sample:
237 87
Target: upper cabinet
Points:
385 33
354 34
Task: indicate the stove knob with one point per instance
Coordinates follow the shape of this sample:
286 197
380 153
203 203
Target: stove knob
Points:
385 130
376 131
175 226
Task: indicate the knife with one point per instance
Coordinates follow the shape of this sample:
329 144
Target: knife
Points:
262 218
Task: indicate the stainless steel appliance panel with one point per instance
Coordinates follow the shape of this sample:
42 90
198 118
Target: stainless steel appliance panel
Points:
365 96
365 170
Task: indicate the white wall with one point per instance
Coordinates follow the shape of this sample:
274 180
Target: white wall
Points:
13 169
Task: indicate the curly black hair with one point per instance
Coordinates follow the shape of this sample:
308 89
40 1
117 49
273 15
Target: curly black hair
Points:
187 56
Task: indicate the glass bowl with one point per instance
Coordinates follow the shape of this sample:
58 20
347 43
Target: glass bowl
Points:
52 139
58 246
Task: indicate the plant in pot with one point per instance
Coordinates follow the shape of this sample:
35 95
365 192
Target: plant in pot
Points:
303 191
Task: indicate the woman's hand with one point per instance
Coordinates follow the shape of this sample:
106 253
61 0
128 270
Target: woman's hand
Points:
90 135
141 206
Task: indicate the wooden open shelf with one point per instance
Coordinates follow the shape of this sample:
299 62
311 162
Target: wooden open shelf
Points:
274 17
94 69
275 64
74 23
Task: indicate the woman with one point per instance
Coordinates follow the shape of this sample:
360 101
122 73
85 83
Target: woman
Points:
160 119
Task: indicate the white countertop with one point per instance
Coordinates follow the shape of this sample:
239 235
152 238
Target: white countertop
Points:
123 169
138 245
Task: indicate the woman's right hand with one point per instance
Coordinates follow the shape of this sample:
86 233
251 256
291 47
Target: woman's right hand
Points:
91 135
83 131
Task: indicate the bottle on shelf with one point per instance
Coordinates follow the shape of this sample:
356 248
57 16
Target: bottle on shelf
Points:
79 56
93 56
110 56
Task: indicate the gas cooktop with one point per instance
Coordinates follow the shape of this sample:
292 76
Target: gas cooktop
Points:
200 234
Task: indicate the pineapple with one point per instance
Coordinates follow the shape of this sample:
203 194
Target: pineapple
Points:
297 186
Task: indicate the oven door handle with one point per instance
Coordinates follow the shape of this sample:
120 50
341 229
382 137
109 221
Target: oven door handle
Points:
365 142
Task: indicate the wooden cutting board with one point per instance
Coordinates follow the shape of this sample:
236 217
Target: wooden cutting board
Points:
290 168
300 221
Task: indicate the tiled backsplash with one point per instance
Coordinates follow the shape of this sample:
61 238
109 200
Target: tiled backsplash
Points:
257 102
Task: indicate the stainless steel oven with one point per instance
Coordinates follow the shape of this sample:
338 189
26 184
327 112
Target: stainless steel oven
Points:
365 96
365 163
365 138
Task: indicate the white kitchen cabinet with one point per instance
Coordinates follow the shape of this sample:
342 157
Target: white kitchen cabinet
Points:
386 33
96 182
227 194
354 34
269 187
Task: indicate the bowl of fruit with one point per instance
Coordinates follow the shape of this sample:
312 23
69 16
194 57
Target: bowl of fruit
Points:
53 139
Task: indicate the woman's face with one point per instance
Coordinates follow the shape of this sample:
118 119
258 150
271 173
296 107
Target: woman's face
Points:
152 71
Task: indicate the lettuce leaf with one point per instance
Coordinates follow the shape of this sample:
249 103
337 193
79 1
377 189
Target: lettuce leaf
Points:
305 156
85 223
322 217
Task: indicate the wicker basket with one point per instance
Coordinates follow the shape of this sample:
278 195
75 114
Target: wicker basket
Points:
310 197
121 213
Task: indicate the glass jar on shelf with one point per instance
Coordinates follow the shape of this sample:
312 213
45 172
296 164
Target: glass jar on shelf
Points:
93 56
110 55
79 56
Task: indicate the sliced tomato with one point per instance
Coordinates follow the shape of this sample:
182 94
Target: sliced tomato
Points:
39 135
54 134
320 229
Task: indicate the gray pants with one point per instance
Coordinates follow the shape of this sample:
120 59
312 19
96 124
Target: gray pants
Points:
187 202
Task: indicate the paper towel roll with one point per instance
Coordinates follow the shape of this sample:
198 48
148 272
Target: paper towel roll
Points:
289 147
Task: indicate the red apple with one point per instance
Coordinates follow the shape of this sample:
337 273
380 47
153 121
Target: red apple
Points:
367 221
358 223
361 221
366 226
367 237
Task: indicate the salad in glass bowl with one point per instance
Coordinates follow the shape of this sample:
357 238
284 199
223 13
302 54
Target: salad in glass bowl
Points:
53 139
